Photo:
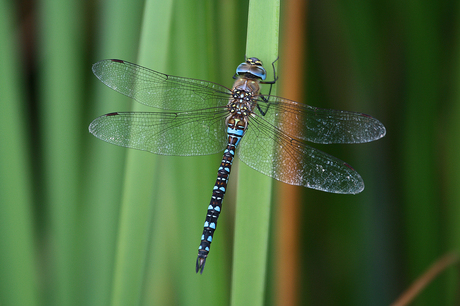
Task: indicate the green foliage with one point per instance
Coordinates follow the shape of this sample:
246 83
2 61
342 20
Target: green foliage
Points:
83 222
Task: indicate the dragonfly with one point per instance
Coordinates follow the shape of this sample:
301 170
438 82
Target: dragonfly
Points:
268 133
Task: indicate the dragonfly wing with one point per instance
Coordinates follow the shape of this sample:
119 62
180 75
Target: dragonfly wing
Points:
199 132
272 152
160 90
319 125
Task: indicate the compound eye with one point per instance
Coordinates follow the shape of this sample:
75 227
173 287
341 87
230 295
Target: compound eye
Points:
243 68
254 69
259 72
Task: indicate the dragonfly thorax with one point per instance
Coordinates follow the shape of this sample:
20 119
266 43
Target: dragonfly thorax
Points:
244 96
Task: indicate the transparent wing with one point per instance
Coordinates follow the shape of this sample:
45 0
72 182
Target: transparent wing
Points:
319 125
272 144
272 152
160 90
198 132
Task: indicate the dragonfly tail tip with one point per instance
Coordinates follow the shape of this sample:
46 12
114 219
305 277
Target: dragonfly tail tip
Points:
200 264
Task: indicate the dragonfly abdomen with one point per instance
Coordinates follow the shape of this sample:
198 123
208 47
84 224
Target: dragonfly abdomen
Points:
235 131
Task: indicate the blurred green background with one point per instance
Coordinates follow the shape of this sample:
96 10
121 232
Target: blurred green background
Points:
83 222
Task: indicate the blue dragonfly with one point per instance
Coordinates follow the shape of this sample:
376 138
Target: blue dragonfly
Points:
268 133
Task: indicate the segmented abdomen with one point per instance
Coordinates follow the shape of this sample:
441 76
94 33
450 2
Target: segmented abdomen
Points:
235 132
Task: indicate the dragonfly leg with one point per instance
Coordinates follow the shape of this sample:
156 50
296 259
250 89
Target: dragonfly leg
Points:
275 78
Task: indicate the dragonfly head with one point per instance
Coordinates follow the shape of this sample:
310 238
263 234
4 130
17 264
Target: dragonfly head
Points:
252 68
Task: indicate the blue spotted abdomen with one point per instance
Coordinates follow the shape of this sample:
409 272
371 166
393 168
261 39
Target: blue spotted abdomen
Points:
235 132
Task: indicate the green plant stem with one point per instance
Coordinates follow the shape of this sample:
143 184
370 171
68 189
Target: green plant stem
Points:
255 189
